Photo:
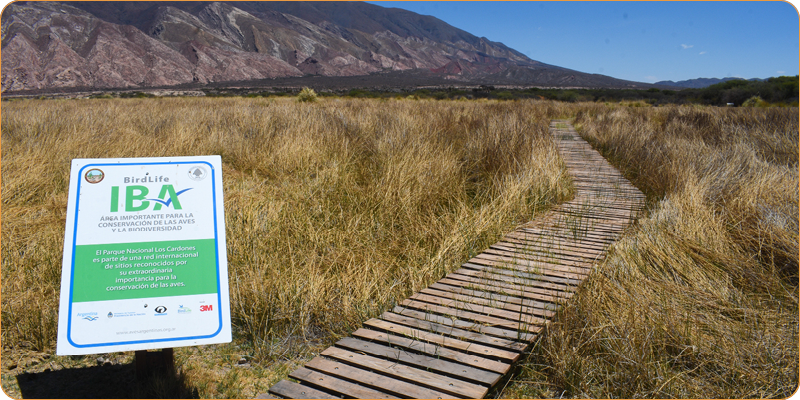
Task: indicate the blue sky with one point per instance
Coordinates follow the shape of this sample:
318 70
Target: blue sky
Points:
636 40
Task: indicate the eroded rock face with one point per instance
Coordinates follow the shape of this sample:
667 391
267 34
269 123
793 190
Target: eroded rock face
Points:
71 48
49 45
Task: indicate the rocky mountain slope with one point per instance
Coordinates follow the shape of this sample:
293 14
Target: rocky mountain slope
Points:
52 45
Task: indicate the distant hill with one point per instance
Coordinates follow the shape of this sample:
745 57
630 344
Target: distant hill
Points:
699 83
116 45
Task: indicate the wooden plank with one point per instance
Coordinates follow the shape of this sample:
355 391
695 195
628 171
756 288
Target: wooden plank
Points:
613 179
419 334
604 181
609 185
557 276
512 288
598 222
595 217
624 205
508 284
553 256
593 196
345 388
563 228
581 236
568 273
480 309
449 330
601 202
622 193
590 232
374 380
496 297
543 271
516 280
620 196
292 390
479 318
599 192
539 312
633 207
571 243
561 255
570 227
428 363
530 265
465 325
568 233
506 289
434 350
578 236
557 243
418 376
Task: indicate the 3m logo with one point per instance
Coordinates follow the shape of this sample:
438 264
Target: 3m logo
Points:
206 308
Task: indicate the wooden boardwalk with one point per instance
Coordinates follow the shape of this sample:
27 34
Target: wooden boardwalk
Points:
461 335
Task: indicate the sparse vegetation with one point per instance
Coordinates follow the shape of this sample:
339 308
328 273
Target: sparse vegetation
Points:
774 92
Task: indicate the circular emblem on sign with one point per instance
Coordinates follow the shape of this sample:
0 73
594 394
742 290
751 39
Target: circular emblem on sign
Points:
94 175
197 173
161 309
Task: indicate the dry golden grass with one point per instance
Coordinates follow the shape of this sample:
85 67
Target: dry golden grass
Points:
700 300
334 210
337 209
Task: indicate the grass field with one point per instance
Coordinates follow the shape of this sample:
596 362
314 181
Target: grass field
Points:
334 210
337 209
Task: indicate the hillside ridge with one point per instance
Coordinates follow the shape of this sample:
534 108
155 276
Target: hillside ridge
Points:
58 45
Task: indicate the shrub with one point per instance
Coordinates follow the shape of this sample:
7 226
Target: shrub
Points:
755 101
307 95
505 95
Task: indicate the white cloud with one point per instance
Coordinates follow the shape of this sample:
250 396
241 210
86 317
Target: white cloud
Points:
703 52
687 46
781 72
651 78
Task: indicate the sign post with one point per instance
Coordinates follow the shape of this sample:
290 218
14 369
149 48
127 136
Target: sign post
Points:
145 263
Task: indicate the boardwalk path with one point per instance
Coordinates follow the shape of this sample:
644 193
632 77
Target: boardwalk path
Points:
461 335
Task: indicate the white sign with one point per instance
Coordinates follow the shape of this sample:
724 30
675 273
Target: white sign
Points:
145 263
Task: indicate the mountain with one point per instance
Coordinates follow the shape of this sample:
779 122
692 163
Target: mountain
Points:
699 83
58 45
